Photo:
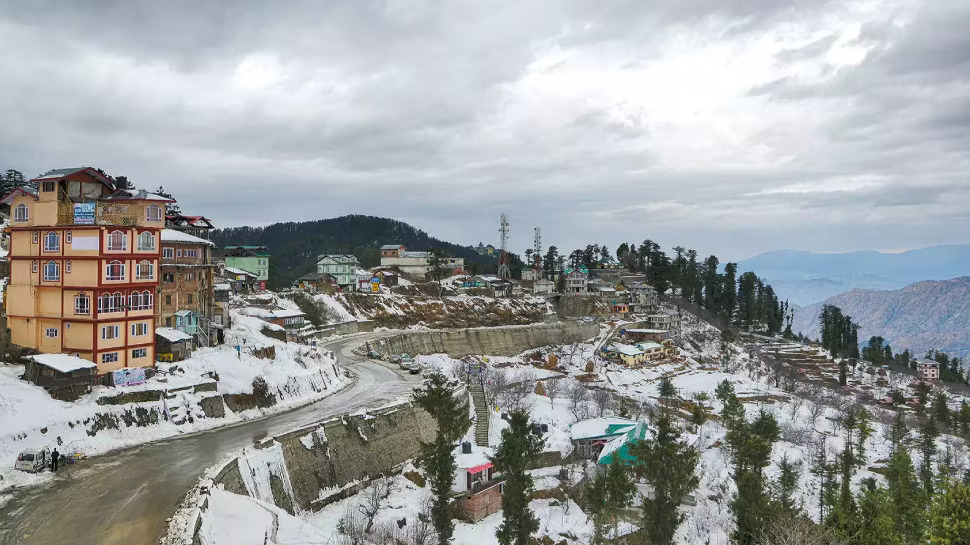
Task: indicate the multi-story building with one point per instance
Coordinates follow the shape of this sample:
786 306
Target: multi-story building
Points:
342 267
198 226
254 259
186 291
576 283
84 268
416 263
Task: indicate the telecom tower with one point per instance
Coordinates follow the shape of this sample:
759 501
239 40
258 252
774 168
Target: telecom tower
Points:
537 252
503 256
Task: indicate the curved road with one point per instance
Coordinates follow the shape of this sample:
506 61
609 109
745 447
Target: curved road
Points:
124 497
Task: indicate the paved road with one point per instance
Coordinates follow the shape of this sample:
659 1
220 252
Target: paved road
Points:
125 496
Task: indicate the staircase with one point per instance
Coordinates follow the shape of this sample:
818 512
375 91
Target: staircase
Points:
476 386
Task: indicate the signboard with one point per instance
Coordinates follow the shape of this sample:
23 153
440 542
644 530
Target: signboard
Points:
375 285
128 377
84 213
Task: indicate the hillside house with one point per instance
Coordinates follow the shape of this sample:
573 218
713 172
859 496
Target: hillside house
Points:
315 282
64 376
84 259
197 226
643 298
617 450
543 287
577 283
343 267
241 281
172 344
627 354
416 263
221 293
529 275
478 486
254 259
590 436
928 371
619 307
640 334
664 319
187 285
653 351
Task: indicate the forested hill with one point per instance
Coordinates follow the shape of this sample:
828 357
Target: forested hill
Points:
294 246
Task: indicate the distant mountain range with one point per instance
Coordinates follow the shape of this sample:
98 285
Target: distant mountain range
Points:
921 316
294 246
807 277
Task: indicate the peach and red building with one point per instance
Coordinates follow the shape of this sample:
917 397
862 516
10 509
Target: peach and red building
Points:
84 268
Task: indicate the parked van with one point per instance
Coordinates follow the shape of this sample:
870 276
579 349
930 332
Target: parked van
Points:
32 460
406 362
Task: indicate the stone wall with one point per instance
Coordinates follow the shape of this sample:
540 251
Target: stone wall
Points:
344 328
573 306
324 458
494 341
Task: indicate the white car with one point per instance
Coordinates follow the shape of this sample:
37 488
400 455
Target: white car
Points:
32 460
414 368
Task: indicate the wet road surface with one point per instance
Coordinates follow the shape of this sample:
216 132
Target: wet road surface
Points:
125 496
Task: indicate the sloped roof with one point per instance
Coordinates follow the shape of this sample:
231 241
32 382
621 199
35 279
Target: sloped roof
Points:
618 448
391 246
172 335
626 349
8 198
596 428
234 270
58 173
140 195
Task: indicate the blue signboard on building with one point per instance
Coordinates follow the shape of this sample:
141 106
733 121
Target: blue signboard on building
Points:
128 377
84 213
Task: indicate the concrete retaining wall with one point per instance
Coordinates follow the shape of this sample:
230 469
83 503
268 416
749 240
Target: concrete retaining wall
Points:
492 341
344 328
322 459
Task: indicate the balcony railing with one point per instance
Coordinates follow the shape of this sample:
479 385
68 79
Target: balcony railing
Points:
103 213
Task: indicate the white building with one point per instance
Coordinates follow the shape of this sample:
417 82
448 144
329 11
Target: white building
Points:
576 283
416 263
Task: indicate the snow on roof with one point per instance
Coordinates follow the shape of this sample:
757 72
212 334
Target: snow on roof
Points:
647 331
221 287
172 335
391 246
233 270
140 195
626 349
477 458
284 313
171 235
600 427
637 432
65 363
649 346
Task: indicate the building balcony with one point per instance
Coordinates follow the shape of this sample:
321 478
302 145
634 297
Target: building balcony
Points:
102 213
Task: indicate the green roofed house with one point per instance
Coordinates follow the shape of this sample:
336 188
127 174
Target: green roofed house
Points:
253 259
618 449
590 437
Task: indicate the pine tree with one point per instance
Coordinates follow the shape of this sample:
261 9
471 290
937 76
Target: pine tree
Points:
438 456
750 445
610 491
875 523
724 390
513 458
864 433
926 443
940 410
666 388
898 432
786 486
668 465
964 418
905 494
949 516
729 292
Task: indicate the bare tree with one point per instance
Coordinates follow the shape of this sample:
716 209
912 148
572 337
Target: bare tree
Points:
520 392
603 399
351 525
554 388
498 385
421 532
373 499
578 395
795 530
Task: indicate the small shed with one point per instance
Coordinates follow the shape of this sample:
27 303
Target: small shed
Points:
477 483
62 375
172 344
315 281
591 436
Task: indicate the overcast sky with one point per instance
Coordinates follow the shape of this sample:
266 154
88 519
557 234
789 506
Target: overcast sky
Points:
731 126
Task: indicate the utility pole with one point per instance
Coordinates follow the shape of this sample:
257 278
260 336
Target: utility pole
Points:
503 256
537 256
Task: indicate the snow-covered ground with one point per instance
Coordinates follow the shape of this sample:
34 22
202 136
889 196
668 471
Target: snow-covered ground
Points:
30 418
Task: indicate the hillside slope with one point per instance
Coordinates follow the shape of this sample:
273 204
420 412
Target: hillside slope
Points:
807 277
921 316
294 246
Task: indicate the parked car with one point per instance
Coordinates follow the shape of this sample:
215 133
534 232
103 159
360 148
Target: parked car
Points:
32 460
396 359
406 362
414 368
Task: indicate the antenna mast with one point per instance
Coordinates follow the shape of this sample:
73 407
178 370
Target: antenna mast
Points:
503 256
537 259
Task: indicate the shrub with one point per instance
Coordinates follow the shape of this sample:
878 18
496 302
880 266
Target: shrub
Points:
261 391
540 389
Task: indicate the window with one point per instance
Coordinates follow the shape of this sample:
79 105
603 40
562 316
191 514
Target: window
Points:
82 304
51 332
178 252
139 329
52 242
168 321
189 301
111 302
114 271
33 267
168 253
47 187
110 357
190 276
145 271
21 214
191 253
52 271
153 213
141 300
146 242
35 237
117 240
67 266
168 299
110 332
168 278
139 353
68 237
